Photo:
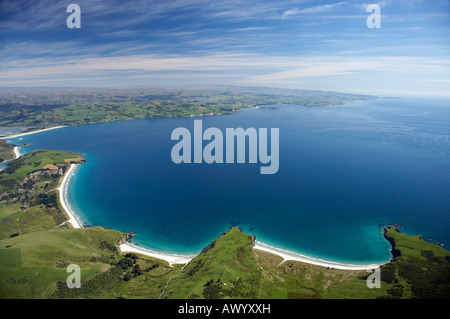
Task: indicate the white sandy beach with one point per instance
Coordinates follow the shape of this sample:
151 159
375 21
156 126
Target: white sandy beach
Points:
28 133
16 152
286 255
63 197
171 259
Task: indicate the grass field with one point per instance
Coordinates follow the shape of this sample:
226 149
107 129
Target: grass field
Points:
32 264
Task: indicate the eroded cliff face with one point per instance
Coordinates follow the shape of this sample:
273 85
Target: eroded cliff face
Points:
6 151
395 252
32 177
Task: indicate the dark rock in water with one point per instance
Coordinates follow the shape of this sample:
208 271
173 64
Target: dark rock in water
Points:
211 245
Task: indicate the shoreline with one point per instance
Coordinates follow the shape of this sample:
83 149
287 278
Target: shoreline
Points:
127 247
184 259
293 256
16 156
63 197
32 132
171 259
16 152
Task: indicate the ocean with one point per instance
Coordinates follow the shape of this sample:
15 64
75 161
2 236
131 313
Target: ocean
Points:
344 172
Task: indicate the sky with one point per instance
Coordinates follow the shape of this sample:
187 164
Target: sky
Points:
298 44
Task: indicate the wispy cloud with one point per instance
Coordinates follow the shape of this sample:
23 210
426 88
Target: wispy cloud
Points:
286 42
266 68
313 9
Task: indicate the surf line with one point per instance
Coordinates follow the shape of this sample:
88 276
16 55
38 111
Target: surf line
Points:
213 152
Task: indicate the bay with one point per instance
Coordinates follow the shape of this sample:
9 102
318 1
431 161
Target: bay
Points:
344 172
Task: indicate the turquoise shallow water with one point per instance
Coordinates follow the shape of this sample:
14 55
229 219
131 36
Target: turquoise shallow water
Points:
344 172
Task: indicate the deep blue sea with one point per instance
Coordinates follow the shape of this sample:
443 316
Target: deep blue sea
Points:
344 171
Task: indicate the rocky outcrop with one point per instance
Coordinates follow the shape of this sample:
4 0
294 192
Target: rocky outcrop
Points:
33 176
395 252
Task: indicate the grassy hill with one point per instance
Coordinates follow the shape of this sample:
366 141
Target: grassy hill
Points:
419 270
32 264
228 269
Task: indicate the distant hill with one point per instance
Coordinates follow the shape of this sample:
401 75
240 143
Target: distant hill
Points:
39 108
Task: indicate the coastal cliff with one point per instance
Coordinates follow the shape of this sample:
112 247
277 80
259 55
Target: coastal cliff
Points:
6 151
419 269
395 252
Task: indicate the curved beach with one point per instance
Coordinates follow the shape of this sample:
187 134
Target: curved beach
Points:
128 247
183 259
63 197
289 255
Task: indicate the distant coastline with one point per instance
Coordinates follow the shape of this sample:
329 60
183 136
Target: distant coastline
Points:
31 132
